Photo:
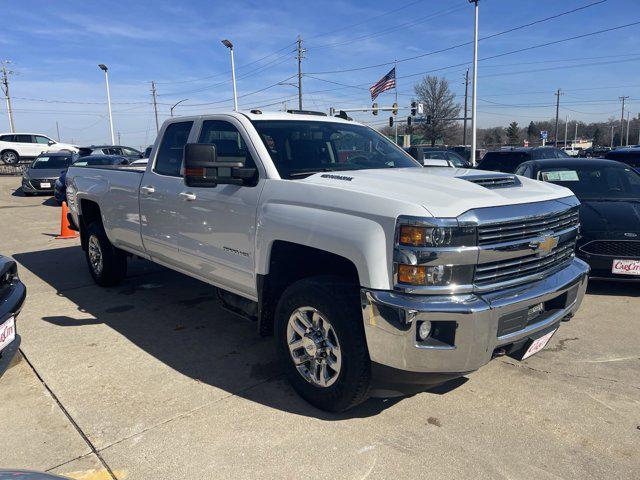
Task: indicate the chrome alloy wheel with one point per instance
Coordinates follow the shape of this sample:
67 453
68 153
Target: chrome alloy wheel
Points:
314 347
95 254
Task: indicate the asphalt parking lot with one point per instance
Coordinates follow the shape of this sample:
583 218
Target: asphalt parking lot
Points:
152 379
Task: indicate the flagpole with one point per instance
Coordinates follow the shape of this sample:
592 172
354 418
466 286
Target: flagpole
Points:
395 71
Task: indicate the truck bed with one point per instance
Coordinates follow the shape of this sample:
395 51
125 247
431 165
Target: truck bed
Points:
115 189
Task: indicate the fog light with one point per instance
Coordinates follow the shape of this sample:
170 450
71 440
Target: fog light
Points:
424 329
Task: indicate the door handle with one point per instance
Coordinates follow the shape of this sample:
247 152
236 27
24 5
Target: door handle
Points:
188 196
149 189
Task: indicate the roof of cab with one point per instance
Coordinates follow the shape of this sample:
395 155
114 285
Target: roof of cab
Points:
265 115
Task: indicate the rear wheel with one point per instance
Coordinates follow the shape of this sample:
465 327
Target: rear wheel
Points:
320 340
107 264
10 157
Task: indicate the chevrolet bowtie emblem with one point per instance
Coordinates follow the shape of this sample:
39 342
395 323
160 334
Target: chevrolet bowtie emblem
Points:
544 245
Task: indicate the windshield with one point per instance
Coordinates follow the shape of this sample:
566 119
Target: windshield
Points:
57 162
596 182
301 148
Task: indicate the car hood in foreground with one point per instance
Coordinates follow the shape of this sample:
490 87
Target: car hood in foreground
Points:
36 173
610 216
444 192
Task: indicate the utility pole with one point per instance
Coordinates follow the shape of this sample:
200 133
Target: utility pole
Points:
628 126
58 130
466 94
558 93
611 136
300 53
5 89
566 128
474 120
575 135
119 141
155 104
623 98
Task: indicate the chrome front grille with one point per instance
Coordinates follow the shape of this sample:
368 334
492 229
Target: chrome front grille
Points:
524 267
527 227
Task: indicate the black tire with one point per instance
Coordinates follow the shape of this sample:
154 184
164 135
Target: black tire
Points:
114 261
10 157
339 302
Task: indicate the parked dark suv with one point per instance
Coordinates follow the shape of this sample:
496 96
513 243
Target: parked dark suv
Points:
508 160
630 156
129 153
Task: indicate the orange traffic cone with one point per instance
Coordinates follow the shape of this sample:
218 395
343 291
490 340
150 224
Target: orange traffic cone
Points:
65 231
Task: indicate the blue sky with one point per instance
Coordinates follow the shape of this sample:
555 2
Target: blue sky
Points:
55 47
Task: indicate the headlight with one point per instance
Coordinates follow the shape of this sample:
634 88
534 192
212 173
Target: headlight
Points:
434 254
436 236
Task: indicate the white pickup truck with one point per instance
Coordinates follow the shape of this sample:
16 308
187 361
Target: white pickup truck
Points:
371 271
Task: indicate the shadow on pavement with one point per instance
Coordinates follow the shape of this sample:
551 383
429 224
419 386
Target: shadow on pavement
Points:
178 320
614 288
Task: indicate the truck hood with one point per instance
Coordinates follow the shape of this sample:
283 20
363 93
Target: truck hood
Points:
443 192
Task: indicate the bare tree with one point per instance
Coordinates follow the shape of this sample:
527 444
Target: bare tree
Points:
439 104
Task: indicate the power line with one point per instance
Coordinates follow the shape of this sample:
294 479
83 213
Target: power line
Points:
209 77
452 47
390 29
366 20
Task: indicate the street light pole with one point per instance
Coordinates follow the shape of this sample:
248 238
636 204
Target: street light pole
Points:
104 68
229 45
177 103
474 120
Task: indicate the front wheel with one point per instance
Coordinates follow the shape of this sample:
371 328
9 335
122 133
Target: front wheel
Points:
10 157
321 342
107 264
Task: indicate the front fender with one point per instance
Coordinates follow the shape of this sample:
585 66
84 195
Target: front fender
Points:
361 240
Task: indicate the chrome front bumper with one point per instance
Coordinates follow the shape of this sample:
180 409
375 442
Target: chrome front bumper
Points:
473 322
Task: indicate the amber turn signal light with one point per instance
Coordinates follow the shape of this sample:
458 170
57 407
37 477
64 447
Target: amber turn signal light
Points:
416 236
412 274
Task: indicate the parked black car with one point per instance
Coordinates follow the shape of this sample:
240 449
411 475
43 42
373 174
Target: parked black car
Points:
609 193
130 153
60 192
507 160
592 152
629 155
42 173
437 153
12 295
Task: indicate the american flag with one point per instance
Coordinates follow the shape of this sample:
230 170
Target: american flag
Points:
385 83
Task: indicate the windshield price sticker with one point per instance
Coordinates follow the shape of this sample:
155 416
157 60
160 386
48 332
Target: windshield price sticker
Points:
560 176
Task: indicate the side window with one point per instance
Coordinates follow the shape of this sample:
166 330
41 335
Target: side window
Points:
7 138
230 146
24 139
170 153
41 139
130 151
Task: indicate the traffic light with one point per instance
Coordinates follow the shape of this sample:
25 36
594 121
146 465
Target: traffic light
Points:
391 121
375 108
395 108
414 108
428 122
409 121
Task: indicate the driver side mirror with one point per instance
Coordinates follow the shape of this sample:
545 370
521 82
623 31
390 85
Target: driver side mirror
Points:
202 168
51 142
